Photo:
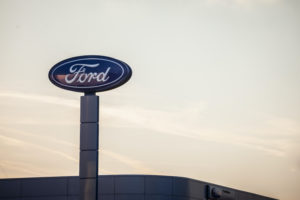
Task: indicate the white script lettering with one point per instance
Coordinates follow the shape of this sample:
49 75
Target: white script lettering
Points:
77 74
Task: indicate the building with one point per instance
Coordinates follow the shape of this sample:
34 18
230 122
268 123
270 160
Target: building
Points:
121 187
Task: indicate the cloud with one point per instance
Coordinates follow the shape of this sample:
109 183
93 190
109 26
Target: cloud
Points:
166 121
28 134
245 3
138 166
24 168
42 99
14 141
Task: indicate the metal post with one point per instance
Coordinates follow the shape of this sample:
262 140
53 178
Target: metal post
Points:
88 166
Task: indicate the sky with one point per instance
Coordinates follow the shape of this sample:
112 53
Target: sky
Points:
214 94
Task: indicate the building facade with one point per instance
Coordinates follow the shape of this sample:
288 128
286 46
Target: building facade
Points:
121 187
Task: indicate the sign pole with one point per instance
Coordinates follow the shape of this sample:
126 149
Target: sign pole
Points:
89 135
89 74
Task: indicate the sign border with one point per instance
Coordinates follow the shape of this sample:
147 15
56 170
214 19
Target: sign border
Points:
123 78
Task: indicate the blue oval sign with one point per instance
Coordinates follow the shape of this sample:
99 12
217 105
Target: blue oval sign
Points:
90 73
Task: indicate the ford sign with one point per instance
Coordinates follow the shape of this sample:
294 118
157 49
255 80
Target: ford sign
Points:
90 74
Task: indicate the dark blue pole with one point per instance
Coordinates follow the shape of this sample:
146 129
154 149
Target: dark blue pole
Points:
88 166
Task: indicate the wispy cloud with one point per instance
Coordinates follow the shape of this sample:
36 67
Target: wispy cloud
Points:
42 98
137 165
23 168
166 121
18 142
245 3
15 141
28 134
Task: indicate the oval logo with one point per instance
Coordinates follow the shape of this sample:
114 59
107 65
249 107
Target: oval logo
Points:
90 73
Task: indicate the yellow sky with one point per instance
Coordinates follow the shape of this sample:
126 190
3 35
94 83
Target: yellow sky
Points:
214 94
